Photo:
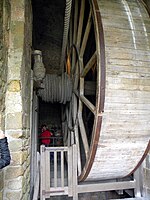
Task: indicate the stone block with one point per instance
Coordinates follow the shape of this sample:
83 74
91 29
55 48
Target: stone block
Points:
14 195
13 102
15 184
16 158
14 121
14 86
18 10
1 180
15 134
14 64
15 145
26 196
26 120
24 156
17 34
13 172
1 195
26 143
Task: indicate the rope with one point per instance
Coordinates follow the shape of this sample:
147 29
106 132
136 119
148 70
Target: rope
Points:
65 34
56 88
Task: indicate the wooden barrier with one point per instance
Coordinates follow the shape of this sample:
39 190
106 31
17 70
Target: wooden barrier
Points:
58 168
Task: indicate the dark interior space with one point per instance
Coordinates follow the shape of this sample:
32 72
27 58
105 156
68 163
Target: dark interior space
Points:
48 19
50 114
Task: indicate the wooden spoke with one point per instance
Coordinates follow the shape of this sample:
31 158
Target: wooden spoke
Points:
89 65
82 130
86 35
81 124
74 114
80 25
70 32
88 103
74 34
76 76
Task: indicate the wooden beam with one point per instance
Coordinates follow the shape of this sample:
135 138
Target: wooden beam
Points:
76 131
80 24
80 119
82 130
89 65
86 35
85 101
74 34
76 76
88 103
99 187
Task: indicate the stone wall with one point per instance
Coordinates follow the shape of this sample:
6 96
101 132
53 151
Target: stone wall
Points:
17 101
4 30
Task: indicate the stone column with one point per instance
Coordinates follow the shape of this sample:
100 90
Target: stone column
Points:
4 26
17 102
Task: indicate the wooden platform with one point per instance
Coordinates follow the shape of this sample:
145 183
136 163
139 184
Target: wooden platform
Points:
138 198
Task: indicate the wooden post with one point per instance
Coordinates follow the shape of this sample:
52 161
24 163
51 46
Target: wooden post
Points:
43 171
55 169
74 172
76 131
47 169
139 182
62 169
70 171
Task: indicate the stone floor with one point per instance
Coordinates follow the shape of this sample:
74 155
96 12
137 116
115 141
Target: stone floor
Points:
93 196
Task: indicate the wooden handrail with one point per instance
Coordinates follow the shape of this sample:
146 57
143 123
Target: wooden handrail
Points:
52 138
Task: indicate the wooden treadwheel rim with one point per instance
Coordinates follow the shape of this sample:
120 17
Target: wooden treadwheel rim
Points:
101 90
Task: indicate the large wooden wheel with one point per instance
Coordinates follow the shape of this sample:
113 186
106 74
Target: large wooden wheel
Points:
108 117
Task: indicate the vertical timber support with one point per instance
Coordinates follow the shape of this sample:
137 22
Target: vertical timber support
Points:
43 173
74 172
70 171
139 182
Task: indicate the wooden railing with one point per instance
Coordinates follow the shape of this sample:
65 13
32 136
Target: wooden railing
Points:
55 140
58 166
58 176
